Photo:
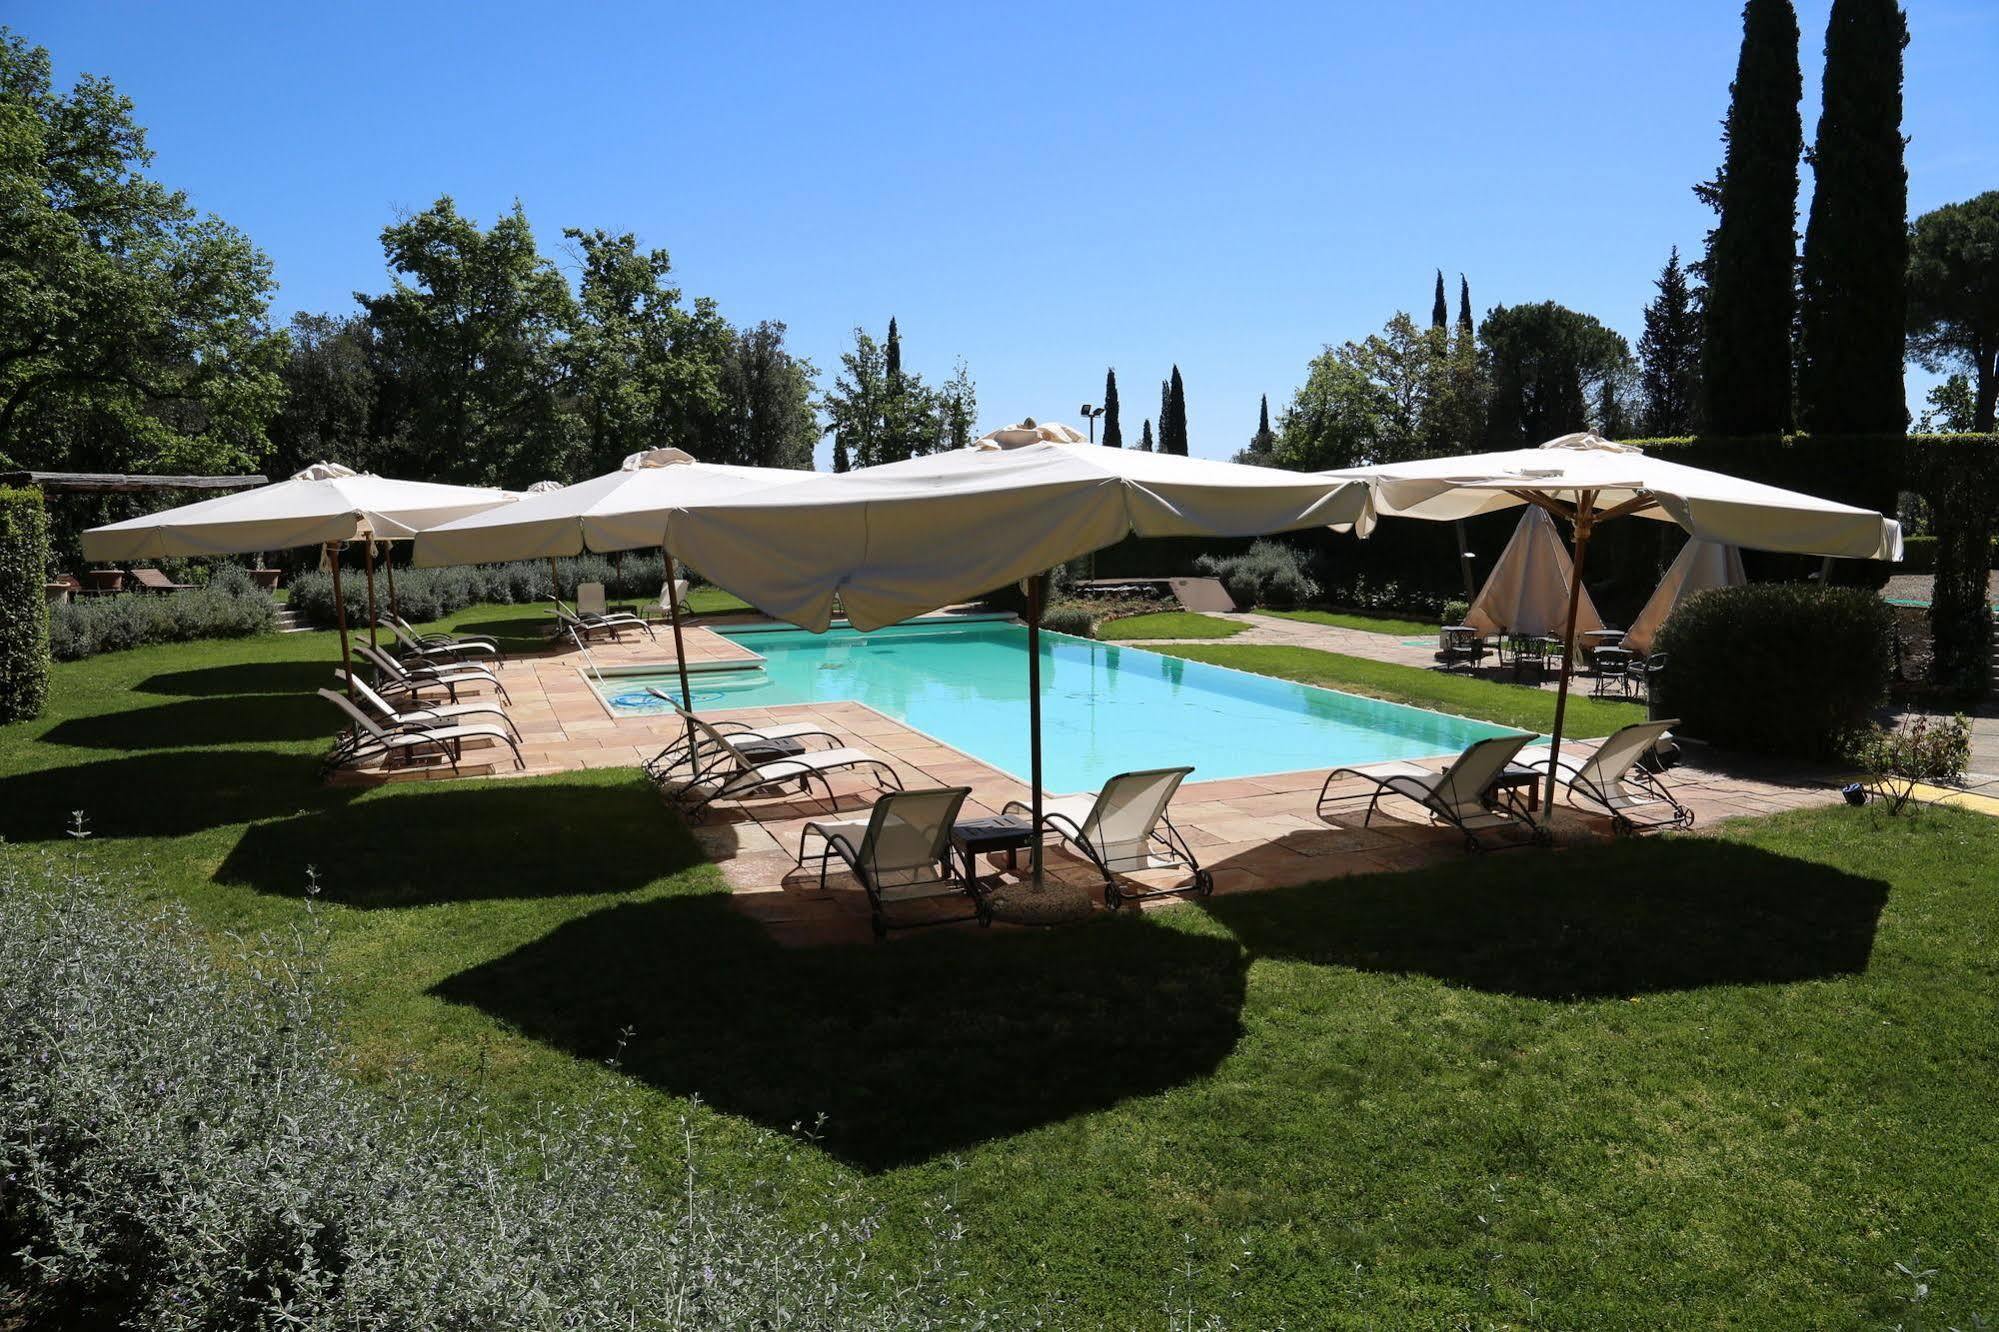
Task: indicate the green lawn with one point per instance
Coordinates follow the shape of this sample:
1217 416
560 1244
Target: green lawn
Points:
1488 700
1373 624
1717 1081
1168 624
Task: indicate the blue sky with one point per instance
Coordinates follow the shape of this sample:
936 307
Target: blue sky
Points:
1042 190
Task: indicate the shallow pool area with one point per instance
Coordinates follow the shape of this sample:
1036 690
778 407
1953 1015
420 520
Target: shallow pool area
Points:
1106 708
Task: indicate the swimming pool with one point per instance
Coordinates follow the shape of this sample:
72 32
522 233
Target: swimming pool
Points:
1105 708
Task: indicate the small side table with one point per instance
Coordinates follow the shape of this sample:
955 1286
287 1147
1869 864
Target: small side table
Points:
976 837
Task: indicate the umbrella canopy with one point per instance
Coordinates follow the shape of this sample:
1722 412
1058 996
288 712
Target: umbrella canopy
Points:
1587 480
904 538
1699 566
325 502
1621 480
622 510
1527 591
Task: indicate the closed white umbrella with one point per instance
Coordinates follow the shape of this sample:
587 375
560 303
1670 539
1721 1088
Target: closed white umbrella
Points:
323 505
1700 565
1527 591
1586 479
622 510
904 538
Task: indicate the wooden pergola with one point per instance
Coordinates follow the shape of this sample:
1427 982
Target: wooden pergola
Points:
120 483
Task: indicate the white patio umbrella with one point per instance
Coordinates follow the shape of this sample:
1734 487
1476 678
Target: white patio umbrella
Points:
324 505
1527 591
622 510
904 538
1699 565
1586 480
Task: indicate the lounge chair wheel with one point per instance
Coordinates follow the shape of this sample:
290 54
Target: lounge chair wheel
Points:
1112 897
1204 883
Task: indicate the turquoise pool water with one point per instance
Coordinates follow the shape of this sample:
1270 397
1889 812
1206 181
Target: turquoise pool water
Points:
1105 708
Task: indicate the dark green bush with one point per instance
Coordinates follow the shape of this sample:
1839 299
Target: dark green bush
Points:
1269 573
1456 612
1919 555
1779 668
1071 617
432 594
230 605
24 607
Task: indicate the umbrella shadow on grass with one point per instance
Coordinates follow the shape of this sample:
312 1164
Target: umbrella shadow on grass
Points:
418 844
247 677
909 1050
190 722
165 794
1636 917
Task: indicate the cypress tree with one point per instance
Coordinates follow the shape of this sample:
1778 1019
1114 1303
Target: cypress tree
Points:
1670 351
1855 296
1176 442
1440 309
1749 268
839 453
1263 419
1145 437
892 359
1113 432
1165 437
1464 308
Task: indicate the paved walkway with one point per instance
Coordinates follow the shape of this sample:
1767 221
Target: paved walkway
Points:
1254 832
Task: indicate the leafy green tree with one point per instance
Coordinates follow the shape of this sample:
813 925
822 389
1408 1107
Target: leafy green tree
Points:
1337 418
1954 296
1854 298
1749 267
1951 408
1145 437
879 412
958 408
1113 432
1173 429
768 397
1553 370
329 396
854 405
133 333
475 328
1670 351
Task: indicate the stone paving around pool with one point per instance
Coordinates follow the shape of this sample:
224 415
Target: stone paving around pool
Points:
1252 832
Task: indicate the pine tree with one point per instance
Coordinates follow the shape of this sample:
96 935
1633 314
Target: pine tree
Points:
1145 437
1440 309
1464 309
1670 350
1855 297
1749 267
1175 441
1113 432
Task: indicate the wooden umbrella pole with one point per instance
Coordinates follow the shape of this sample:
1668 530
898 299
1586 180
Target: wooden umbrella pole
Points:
372 616
395 607
680 650
1037 588
1584 520
554 586
340 617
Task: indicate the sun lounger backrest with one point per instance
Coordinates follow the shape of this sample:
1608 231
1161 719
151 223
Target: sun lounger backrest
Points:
1618 754
1464 784
669 592
909 832
714 747
354 714
1128 809
368 695
381 661
589 598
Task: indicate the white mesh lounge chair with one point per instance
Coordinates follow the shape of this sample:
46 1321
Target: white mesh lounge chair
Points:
463 650
408 630
741 735
414 712
593 615
393 677
1613 781
900 852
723 773
366 738
1123 828
663 614
1462 795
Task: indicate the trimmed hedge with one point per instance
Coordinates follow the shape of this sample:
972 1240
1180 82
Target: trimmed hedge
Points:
24 606
229 605
1778 668
432 594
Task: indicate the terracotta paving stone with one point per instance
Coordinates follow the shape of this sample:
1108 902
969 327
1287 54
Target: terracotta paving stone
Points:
1253 833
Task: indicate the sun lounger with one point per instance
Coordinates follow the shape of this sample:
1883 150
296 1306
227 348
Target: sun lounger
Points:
366 739
1124 828
900 852
741 735
455 650
593 616
413 712
1464 795
1614 782
152 580
393 677
407 630
723 773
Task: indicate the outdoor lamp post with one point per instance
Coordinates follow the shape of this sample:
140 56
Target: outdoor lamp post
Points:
1091 414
